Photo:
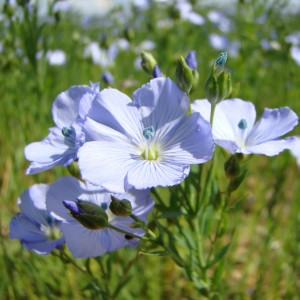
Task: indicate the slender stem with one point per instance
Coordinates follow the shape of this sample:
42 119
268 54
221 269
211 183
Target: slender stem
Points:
149 231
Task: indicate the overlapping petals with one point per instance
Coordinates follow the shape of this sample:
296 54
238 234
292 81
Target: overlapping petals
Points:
35 227
84 242
61 145
144 143
234 126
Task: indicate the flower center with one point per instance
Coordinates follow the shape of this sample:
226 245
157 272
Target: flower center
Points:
52 230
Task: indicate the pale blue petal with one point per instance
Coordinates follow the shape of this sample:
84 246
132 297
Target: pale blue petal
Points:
228 115
230 146
273 124
50 152
32 203
203 107
145 174
295 148
143 208
190 142
83 242
270 148
106 163
160 102
114 109
64 188
45 247
85 104
31 236
22 228
65 106
98 132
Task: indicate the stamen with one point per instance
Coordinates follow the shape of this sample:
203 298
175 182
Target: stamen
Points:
242 124
148 132
67 131
222 58
104 206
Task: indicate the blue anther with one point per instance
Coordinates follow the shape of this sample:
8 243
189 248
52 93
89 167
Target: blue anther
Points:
222 58
67 131
242 124
148 132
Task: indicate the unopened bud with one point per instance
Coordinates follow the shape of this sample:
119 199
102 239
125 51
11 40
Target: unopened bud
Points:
192 62
129 33
232 167
107 77
218 86
236 182
148 62
157 72
184 75
120 208
90 215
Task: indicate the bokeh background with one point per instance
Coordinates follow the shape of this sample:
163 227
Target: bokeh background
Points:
46 46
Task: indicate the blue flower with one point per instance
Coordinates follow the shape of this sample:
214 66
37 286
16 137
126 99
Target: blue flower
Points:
82 241
146 143
235 130
35 227
61 145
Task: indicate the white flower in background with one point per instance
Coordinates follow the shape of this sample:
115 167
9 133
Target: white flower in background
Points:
146 45
56 57
270 45
293 38
220 20
295 53
295 149
121 44
100 56
186 13
221 42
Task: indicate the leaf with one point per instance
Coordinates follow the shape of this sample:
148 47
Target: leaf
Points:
155 253
219 255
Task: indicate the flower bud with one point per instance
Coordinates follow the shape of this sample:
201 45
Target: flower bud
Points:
232 167
88 214
236 182
129 33
184 75
120 208
148 62
218 85
107 77
192 62
157 72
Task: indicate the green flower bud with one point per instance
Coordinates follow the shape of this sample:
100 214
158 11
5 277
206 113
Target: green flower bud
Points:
218 85
148 62
129 33
88 214
232 167
236 182
184 75
120 208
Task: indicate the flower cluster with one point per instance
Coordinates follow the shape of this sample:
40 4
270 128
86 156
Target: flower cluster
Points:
123 148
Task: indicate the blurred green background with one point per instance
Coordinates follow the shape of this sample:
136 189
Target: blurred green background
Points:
43 55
